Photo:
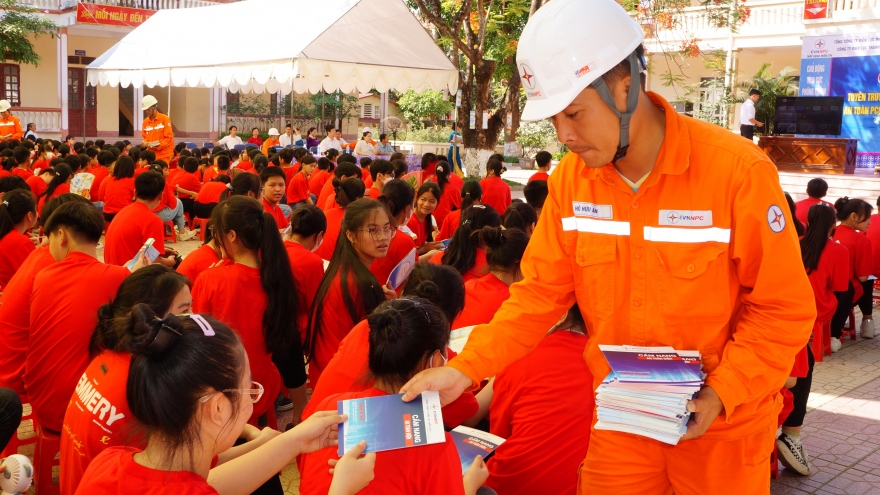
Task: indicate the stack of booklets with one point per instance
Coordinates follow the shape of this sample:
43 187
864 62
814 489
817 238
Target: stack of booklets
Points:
647 391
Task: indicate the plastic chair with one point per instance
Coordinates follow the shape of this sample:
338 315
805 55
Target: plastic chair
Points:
300 143
46 455
313 150
821 340
876 297
240 147
191 146
19 441
850 329
251 145
172 237
276 149
202 225
208 144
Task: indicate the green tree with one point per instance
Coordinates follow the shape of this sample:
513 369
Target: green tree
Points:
425 108
19 22
770 87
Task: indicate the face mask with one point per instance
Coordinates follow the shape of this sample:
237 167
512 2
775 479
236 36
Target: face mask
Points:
318 244
445 360
387 180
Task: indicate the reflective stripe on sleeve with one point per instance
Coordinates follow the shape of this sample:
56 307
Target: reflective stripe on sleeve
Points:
595 226
675 234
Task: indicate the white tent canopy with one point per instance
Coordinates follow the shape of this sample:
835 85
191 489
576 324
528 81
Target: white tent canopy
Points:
280 45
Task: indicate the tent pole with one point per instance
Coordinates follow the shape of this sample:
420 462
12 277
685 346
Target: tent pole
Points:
169 100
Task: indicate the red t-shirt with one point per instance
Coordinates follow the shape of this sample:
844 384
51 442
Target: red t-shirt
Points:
539 176
22 172
289 172
330 202
450 200
100 173
64 312
15 248
349 369
128 232
832 275
61 189
234 295
196 262
803 206
368 181
247 166
326 191
210 192
873 234
277 214
482 298
496 193
317 181
297 189
97 417
336 322
15 318
548 387
334 225
401 244
419 228
40 165
188 181
432 469
214 171
117 193
374 193
37 184
365 174
861 262
140 170
114 472
308 270
168 198
480 268
456 181
450 225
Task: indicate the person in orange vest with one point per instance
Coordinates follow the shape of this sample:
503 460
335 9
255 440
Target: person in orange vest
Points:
666 231
156 131
271 141
10 126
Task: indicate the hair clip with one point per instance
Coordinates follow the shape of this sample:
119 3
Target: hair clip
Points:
6 203
229 186
203 324
419 305
166 335
482 207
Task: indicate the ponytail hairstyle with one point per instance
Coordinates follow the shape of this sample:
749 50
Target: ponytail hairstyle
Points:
438 283
153 285
471 193
331 154
429 187
63 173
442 173
306 221
124 168
258 232
175 362
404 333
495 166
400 167
345 266
792 208
51 205
462 251
504 247
397 195
223 178
242 184
348 191
260 162
846 206
14 207
519 216
820 221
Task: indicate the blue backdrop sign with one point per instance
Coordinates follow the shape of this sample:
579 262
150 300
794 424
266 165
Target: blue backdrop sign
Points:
848 65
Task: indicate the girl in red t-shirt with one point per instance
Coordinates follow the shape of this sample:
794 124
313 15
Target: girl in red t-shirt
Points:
209 196
496 193
406 336
87 434
450 196
60 184
422 223
465 252
255 294
117 190
520 216
397 196
855 217
190 387
349 291
18 214
485 295
471 194
347 191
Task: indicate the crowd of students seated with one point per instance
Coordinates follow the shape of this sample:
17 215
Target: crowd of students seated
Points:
172 371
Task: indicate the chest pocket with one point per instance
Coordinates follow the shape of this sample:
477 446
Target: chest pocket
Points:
693 282
595 265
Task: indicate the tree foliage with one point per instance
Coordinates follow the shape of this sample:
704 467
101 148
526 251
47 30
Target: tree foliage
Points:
535 136
424 108
19 22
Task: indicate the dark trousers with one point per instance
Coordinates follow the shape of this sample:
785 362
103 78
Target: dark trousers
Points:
801 393
10 415
108 217
844 304
187 206
747 131
866 302
203 210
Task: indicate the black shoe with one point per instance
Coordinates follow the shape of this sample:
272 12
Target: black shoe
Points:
283 404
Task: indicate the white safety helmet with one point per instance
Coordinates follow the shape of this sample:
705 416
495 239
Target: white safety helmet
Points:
273 132
148 102
4 105
566 46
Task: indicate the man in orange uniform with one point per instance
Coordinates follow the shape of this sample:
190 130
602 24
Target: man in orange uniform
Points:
10 126
271 141
156 131
665 231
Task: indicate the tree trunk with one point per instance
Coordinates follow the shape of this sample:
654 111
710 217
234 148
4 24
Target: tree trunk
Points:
511 147
478 143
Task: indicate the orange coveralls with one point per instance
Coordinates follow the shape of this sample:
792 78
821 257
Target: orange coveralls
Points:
159 129
701 257
11 125
268 143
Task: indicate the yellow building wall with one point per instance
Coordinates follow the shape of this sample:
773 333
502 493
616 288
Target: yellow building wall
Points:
39 84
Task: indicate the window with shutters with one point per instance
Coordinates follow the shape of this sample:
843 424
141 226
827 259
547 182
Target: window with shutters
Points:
367 111
9 88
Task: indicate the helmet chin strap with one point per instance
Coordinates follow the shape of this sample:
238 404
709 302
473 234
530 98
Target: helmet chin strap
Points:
632 99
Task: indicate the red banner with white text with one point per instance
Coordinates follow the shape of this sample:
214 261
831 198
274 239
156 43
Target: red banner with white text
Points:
106 15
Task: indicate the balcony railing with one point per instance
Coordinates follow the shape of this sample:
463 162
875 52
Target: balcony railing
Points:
47 120
59 5
767 18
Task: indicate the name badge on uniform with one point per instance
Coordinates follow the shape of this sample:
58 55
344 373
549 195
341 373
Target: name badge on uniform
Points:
686 218
590 210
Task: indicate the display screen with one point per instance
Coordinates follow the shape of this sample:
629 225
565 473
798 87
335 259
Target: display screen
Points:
809 115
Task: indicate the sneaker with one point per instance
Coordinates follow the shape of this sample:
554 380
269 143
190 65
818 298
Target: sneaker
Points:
186 235
283 404
835 344
867 329
792 455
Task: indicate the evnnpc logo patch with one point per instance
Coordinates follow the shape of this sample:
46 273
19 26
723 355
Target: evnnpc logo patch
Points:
775 219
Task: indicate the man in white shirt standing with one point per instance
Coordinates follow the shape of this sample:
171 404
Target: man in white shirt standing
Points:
747 115
231 139
331 141
285 139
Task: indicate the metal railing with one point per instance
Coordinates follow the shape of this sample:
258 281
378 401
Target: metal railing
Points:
137 4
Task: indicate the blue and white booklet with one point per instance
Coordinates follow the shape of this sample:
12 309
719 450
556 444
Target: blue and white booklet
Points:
649 364
403 269
471 443
388 423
